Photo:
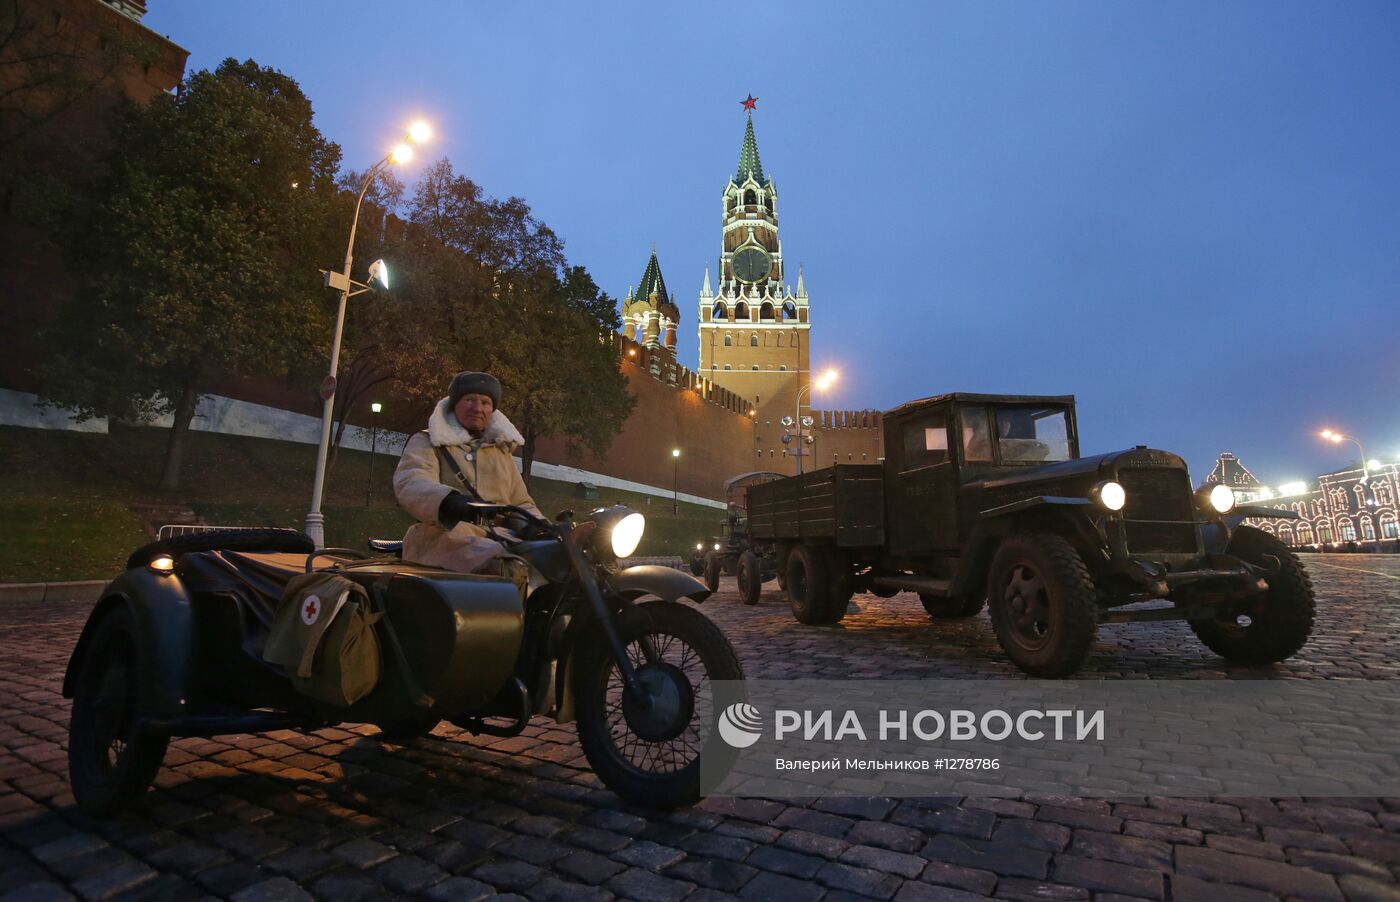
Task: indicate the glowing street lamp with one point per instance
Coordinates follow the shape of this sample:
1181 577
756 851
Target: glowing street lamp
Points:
823 382
1337 438
348 288
676 482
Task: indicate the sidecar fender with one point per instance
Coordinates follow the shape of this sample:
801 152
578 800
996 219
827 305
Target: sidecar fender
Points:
665 583
160 610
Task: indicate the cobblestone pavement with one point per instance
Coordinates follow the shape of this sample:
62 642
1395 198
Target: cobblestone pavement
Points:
339 814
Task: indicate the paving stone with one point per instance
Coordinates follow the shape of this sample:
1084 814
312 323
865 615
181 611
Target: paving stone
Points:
408 874
344 883
1364 889
1007 860
532 849
1032 834
70 846
1242 845
712 873
913 891
958 877
1073 817
278 889
363 853
459 889
865 881
890 862
188 858
588 867
227 879
1033 890
635 883
552 889
713 846
776 888
505 873
814 822
1304 839
812 843
649 855
1145 853
1333 863
37 892
793 864
1222 867
104 884
1191 889
1108 876
874 809
597 840
886 836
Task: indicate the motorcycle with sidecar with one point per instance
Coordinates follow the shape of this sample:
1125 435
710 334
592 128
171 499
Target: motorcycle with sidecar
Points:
174 648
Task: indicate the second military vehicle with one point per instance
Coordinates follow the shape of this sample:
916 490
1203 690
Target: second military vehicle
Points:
985 499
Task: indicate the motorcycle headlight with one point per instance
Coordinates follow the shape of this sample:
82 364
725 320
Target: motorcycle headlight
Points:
716 546
1111 495
699 546
1217 499
622 526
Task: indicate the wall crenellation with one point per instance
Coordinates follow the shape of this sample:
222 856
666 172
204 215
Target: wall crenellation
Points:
663 368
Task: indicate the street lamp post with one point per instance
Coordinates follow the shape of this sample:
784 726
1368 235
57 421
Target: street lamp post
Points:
676 482
823 382
348 288
1337 438
374 409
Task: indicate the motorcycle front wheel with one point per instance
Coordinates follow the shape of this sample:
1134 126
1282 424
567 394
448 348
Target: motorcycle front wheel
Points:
649 753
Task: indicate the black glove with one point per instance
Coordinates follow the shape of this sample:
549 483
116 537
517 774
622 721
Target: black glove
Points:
455 508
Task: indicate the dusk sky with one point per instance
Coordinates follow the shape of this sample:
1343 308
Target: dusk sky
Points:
1186 214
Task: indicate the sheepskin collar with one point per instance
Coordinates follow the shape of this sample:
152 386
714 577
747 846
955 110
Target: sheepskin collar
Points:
443 429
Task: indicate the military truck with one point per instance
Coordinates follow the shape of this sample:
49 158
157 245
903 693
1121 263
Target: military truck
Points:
730 551
984 499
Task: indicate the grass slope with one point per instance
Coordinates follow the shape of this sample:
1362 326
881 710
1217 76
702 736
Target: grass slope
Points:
64 497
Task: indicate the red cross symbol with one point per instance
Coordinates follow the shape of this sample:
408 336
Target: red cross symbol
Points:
311 609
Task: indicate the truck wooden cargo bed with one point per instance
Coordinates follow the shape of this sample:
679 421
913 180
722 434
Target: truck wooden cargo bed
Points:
843 504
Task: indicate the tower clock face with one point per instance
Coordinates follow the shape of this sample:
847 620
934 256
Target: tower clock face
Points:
751 264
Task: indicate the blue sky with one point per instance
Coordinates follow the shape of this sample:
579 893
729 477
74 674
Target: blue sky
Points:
1186 214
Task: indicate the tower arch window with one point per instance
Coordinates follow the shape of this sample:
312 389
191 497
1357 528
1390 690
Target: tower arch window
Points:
766 312
741 311
782 367
755 366
750 198
728 367
789 310
753 342
729 341
720 311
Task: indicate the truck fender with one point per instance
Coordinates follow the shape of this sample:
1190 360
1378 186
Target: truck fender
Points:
160 610
999 522
666 583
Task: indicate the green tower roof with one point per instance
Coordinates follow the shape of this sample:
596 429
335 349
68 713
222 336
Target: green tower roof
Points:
749 164
652 282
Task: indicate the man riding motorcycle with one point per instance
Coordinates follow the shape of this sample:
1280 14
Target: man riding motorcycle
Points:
463 457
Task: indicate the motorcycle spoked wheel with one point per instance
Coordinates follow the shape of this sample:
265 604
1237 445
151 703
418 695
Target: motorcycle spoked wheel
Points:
111 762
650 755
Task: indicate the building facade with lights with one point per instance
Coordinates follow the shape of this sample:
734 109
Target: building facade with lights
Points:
1337 511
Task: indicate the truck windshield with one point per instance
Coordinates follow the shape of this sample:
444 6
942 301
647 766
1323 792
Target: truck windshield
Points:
1032 434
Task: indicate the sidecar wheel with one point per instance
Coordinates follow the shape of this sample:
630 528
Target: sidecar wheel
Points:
111 763
650 755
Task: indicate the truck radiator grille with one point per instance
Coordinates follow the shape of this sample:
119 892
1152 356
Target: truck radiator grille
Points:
1158 494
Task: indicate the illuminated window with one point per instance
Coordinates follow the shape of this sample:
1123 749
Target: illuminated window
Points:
1368 529
1305 534
1285 534
1390 529
1324 531
1347 529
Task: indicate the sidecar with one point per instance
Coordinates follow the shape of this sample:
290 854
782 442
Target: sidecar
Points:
174 648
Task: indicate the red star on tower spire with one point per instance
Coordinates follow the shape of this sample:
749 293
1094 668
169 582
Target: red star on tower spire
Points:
750 102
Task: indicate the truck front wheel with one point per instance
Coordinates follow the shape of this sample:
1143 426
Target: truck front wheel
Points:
750 578
1275 624
808 586
1042 604
712 568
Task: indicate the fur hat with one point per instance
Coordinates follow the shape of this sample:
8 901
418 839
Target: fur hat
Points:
474 384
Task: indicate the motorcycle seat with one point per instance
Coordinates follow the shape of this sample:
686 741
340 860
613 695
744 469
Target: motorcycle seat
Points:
386 546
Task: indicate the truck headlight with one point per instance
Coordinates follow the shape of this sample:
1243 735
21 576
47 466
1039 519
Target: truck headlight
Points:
1218 499
1111 495
699 546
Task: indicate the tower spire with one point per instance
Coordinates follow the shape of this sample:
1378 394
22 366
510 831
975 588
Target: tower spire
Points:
705 291
652 282
749 163
801 284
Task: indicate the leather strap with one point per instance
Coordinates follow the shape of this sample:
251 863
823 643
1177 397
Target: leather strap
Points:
446 457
